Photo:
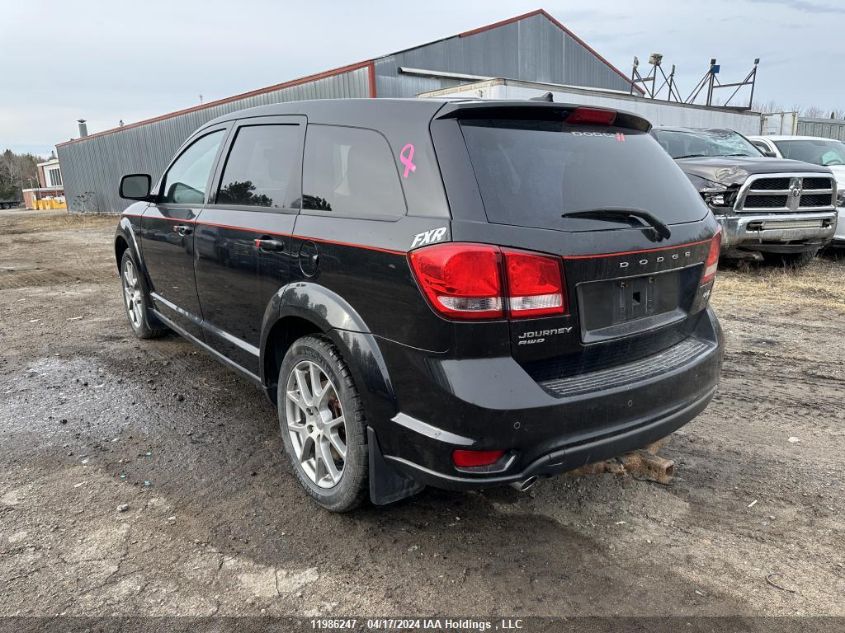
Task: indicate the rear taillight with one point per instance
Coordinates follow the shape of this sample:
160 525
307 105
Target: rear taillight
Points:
472 459
591 116
462 281
479 281
712 262
534 284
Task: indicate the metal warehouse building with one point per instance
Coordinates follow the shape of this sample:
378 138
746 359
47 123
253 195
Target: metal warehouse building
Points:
532 47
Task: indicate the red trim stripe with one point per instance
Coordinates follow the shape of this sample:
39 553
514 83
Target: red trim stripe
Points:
395 252
379 249
646 250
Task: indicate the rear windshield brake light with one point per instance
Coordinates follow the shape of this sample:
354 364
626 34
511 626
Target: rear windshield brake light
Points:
591 116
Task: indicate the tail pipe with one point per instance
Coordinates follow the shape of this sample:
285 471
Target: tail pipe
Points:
525 484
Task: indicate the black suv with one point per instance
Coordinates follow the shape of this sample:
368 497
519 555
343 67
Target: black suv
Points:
455 293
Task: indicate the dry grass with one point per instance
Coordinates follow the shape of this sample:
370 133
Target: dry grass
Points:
15 223
819 285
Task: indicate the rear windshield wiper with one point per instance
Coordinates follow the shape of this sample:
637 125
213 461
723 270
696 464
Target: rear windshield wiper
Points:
614 213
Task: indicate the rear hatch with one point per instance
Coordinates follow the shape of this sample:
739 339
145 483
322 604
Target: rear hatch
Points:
595 189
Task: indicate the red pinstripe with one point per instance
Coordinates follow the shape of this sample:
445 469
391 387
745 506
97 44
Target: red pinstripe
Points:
264 232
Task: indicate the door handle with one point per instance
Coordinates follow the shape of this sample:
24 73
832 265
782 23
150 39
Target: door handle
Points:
183 229
269 244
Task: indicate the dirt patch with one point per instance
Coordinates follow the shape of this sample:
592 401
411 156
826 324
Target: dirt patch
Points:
144 478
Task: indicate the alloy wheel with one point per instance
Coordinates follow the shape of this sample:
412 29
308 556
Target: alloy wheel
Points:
316 424
132 294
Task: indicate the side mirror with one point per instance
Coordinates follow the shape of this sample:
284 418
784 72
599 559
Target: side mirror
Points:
769 153
136 187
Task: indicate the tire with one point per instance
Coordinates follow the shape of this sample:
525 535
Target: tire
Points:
329 460
791 260
136 300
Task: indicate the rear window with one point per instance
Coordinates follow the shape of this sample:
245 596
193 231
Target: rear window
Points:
530 172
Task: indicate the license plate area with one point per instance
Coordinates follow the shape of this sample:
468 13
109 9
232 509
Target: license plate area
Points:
620 307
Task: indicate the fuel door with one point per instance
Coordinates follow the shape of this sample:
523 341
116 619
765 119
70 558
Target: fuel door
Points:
309 259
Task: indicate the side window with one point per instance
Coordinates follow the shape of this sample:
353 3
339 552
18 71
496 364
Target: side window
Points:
186 180
761 146
263 167
351 172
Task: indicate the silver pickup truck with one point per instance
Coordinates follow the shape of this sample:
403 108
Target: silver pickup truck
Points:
783 209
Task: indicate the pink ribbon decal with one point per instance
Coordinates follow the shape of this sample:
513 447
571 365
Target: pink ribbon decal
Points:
406 157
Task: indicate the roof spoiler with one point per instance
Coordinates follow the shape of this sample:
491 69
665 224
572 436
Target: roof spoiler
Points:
571 113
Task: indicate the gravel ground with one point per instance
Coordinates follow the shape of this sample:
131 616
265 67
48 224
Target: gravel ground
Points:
143 478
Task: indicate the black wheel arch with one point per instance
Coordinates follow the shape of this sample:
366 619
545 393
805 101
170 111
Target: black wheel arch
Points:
124 239
303 308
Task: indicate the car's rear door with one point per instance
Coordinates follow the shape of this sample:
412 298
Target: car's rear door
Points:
168 227
243 238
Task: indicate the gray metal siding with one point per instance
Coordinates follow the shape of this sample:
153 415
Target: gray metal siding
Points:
827 128
92 168
532 49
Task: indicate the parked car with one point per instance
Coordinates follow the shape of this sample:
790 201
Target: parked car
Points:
10 203
783 209
826 152
462 294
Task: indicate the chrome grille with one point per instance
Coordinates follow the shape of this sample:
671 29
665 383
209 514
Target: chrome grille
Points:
816 183
782 193
772 184
681 354
814 200
765 202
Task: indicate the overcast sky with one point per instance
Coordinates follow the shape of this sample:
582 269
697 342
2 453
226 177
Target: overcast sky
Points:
110 60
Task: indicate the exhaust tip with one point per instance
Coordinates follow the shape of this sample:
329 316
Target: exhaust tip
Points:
525 484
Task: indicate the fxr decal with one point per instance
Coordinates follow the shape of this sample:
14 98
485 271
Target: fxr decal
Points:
429 237
406 157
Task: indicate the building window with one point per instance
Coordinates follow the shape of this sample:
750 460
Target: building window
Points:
54 177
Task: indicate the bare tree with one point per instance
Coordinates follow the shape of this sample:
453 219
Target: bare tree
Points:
814 112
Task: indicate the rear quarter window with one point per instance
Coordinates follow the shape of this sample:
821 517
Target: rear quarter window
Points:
350 172
530 172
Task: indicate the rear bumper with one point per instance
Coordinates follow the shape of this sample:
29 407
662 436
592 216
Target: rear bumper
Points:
486 404
566 458
747 230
